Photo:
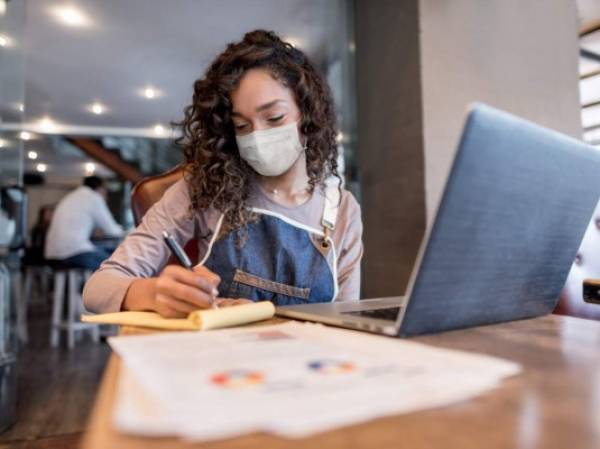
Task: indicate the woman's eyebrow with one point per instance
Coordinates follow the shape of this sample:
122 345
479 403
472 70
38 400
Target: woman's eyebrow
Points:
269 104
261 107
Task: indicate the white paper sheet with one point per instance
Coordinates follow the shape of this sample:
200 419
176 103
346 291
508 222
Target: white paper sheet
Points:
292 379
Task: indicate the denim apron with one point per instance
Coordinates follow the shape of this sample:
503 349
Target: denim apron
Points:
282 260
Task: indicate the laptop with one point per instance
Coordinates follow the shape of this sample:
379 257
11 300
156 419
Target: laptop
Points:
514 210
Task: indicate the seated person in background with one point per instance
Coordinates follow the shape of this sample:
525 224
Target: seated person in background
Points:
75 218
34 255
260 143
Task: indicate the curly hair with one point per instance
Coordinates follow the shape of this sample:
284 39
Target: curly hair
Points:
215 173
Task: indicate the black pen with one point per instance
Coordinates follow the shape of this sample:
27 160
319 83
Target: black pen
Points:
180 254
177 251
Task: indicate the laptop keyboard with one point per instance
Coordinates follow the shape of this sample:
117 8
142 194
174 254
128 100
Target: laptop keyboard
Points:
389 313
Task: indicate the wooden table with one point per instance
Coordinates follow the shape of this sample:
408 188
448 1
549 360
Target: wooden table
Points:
554 403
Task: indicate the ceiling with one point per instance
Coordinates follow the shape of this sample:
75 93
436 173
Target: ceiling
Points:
130 45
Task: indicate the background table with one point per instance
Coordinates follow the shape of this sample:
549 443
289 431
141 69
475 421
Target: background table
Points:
554 403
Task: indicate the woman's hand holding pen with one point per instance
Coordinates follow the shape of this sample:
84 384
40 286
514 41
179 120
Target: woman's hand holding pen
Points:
176 292
180 291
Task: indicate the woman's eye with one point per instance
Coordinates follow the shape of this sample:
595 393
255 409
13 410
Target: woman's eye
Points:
276 119
239 126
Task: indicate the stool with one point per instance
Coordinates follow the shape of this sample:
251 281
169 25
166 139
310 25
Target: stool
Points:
68 280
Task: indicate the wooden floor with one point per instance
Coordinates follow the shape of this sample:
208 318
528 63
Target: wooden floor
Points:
56 388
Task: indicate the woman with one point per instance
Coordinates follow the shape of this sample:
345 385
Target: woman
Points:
259 141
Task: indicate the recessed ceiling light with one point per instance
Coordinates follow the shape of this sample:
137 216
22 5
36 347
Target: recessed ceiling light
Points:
159 130
32 155
150 92
90 168
3 143
71 16
296 43
25 135
47 124
21 107
97 108
4 40
41 168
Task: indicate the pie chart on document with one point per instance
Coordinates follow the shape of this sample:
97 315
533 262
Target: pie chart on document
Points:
237 378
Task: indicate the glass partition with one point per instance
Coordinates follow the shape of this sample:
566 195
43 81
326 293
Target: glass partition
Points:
12 198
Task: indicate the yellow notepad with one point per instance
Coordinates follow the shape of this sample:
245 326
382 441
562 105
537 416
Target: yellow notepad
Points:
199 320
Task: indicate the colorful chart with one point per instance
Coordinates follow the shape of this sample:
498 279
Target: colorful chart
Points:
238 378
331 366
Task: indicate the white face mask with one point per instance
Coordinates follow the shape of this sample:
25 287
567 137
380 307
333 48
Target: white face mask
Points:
271 152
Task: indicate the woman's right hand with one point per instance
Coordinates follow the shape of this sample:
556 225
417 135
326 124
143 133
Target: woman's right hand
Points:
174 293
179 291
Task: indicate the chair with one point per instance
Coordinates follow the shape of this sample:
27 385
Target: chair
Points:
585 266
151 189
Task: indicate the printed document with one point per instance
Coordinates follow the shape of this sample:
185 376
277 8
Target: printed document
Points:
292 379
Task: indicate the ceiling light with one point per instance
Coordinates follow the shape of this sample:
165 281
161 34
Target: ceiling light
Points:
149 92
41 168
90 168
71 17
32 155
21 107
296 43
25 135
159 130
3 143
2 7
4 40
97 108
47 124
340 137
